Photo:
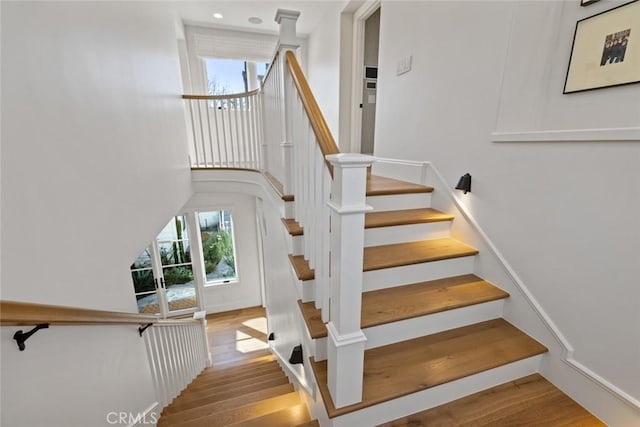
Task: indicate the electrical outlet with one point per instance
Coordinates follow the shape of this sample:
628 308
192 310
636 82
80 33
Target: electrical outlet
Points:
403 66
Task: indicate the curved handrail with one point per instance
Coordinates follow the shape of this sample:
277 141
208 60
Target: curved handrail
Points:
26 313
230 96
316 119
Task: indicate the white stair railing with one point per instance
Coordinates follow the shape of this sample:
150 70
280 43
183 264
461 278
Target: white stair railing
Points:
226 130
177 353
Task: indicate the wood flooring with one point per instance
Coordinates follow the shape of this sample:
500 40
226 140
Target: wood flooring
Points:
245 386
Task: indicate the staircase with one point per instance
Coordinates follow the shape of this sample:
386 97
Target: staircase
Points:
245 386
436 339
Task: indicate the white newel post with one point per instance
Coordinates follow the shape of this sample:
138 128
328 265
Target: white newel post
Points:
346 339
288 41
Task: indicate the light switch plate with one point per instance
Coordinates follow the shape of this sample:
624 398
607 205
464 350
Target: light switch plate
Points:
403 66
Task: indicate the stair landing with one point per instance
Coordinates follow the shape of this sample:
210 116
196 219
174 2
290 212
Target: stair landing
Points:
395 370
528 401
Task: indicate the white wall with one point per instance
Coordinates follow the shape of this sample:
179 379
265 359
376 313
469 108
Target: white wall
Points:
94 158
561 212
94 163
246 291
323 58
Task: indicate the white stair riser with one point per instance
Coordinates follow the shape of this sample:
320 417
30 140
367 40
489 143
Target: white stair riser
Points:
416 327
406 233
306 290
397 276
439 395
289 209
297 245
399 201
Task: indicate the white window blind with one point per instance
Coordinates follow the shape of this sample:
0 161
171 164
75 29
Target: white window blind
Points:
207 42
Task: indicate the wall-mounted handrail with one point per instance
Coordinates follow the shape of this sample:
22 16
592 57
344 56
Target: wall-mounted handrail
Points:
316 119
26 313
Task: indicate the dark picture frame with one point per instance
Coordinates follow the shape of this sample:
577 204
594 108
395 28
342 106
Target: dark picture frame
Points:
605 50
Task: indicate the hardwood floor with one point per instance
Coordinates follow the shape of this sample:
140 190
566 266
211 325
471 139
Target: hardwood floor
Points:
245 386
529 401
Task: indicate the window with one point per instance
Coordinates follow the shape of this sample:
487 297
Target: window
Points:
218 249
227 76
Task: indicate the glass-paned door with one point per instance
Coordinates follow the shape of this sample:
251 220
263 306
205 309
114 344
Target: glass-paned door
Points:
163 274
177 268
144 283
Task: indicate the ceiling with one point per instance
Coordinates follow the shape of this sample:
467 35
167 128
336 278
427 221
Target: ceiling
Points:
237 13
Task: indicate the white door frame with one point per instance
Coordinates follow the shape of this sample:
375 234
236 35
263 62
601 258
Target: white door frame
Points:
357 71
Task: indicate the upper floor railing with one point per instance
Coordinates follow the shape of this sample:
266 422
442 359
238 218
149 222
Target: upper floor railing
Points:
226 130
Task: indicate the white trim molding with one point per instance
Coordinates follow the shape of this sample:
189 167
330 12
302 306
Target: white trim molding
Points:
631 134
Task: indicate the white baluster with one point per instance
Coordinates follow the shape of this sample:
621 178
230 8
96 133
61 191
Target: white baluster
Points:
346 339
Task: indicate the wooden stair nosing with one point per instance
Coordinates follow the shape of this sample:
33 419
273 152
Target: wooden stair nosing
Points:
312 423
292 227
230 364
313 319
395 370
282 418
223 405
404 217
245 412
418 252
301 267
409 301
525 401
382 186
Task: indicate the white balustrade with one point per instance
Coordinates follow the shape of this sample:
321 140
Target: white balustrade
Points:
177 353
226 131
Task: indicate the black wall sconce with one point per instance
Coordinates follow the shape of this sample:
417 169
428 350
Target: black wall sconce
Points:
272 337
296 355
464 184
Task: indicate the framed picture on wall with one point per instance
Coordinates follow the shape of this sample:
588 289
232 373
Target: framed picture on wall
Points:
606 50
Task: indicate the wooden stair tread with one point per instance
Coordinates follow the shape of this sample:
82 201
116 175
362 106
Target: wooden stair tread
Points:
238 376
244 412
292 226
188 399
277 185
399 254
301 267
409 301
224 372
313 423
383 186
215 387
420 299
404 217
410 366
207 409
313 319
528 401
287 417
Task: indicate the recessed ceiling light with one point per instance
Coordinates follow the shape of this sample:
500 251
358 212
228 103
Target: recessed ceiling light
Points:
218 15
255 20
